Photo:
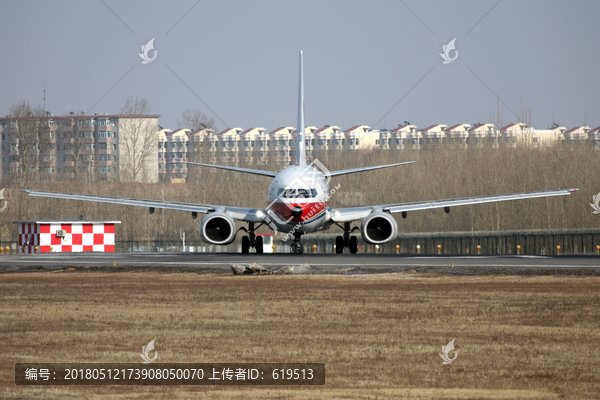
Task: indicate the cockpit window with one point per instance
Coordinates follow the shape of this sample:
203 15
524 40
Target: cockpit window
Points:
296 193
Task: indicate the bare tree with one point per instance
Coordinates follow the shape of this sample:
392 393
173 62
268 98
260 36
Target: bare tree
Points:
138 142
200 146
437 173
31 142
497 117
201 128
196 120
525 110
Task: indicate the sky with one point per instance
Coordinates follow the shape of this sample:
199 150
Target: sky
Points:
366 62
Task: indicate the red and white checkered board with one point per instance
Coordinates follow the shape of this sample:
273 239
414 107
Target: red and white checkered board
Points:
78 238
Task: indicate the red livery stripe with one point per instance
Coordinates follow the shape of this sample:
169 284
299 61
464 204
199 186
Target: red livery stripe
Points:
309 210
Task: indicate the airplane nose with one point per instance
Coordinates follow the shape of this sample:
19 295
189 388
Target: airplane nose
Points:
297 211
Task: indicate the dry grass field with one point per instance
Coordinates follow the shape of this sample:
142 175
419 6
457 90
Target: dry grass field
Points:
379 335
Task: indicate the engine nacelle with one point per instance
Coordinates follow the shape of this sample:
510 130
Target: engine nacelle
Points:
217 228
378 227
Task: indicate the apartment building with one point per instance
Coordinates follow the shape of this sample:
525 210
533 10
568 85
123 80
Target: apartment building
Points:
80 147
235 146
229 145
360 137
577 134
204 146
104 147
323 138
433 134
521 134
512 133
309 138
594 136
402 135
173 154
281 145
457 135
482 135
255 143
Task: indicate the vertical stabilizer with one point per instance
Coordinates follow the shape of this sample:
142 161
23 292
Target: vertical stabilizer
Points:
301 145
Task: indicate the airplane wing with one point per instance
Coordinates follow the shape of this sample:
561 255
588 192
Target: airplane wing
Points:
354 213
239 213
237 169
362 169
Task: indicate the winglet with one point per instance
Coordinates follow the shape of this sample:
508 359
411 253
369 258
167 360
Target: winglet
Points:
301 145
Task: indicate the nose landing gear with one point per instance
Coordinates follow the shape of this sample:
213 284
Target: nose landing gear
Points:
296 247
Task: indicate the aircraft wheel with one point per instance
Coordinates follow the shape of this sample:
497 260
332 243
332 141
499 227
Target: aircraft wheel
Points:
339 245
258 245
245 245
353 244
296 248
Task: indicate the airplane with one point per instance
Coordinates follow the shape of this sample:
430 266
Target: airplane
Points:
298 204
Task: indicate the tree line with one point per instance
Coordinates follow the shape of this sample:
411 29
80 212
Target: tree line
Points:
439 172
38 147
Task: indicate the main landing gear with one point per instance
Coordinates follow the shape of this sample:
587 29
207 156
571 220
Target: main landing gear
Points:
296 247
346 241
251 240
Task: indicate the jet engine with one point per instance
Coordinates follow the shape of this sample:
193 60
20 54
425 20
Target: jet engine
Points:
378 227
217 228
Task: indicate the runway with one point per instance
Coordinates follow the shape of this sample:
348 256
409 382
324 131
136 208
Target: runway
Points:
313 263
